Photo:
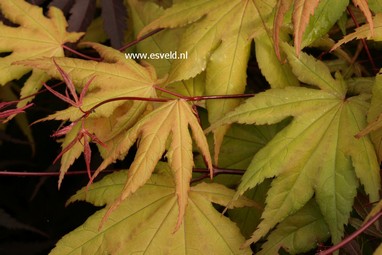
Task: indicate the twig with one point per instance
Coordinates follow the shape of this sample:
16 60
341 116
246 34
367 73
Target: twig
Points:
352 236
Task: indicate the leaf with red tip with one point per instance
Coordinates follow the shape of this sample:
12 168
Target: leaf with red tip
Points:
87 155
9 113
68 82
281 8
302 11
364 7
85 90
63 98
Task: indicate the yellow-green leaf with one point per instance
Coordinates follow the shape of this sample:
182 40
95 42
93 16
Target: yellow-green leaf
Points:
278 75
326 15
316 153
69 157
115 76
171 120
298 233
144 222
36 36
213 24
217 40
374 117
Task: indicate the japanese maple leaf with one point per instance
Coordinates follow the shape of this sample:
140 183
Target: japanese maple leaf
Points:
316 153
374 117
6 113
307 225
217 39
77 141
365 31
116 77
305 17
144 222
71 99
171 121
36 36
302 10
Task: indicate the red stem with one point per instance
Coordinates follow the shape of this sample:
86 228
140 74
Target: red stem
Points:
80 172
150 99
140 39
352 236
39 174
375 69
200 98
80 54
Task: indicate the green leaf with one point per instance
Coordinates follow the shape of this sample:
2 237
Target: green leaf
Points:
144 12
217 39
313 72
248 218
316 153
243 141
278 75
325 16
144 222
374 117
375 5
298 233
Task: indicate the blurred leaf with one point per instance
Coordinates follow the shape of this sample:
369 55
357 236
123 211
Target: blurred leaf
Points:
9 222
114 17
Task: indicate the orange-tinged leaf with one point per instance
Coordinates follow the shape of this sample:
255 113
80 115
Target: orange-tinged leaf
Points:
364 7
170 121
364 32
114 77
75 151
302 11
281 8
44 36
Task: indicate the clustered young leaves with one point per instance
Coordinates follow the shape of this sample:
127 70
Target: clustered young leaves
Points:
311 142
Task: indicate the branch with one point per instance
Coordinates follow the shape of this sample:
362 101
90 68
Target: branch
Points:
352 236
